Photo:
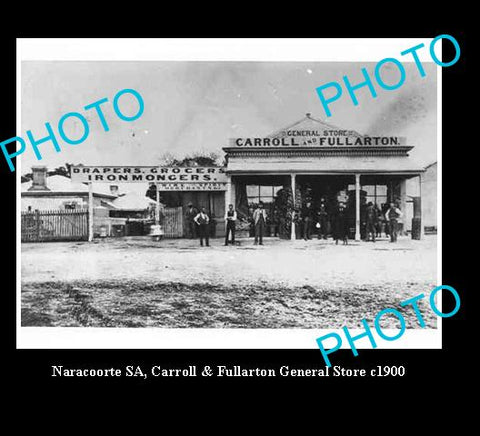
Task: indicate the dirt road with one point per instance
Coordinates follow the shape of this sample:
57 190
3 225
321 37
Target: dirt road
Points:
175 283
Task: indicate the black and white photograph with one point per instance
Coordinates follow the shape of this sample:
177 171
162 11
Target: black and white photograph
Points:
220 195
202 210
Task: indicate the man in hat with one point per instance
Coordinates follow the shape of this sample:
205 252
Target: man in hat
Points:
230 220
371 218
322 217
190 215
307 221
259 219
203 220
340 227
392 216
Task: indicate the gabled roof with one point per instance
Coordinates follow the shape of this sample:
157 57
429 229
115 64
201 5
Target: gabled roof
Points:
301 148
308 123
132 201
61 184
315 134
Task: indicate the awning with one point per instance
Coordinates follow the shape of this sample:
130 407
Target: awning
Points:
324 165
107 203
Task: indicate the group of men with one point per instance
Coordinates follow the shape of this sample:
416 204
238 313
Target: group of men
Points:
306 218
372 221
338 221
325 221
198 223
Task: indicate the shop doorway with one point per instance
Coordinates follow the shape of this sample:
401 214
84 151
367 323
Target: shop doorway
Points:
283 208
272 191
213 201
325 192
379 190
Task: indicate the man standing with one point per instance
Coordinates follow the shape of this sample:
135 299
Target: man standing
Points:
259 219
307 221
230 219
202 220
380 224
340 228
322 216
371 218
189 219
392 215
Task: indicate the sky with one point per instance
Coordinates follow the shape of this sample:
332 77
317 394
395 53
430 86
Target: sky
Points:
197 106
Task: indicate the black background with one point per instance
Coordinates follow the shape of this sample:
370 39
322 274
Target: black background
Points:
431 375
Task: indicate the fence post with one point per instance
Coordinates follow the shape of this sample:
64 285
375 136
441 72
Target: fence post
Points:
37 221
90 212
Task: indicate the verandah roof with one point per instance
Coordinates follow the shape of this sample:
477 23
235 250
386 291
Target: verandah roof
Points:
323 165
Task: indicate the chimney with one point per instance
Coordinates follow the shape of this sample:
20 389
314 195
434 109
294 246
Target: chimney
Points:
309 115
39 182
114 189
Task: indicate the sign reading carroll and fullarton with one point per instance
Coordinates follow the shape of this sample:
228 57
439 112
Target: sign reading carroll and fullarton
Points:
167 178
308 138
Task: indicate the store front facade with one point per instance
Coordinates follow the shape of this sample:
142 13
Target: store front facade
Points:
298 168
311 161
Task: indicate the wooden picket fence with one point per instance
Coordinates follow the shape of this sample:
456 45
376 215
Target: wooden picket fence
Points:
173 222
54 225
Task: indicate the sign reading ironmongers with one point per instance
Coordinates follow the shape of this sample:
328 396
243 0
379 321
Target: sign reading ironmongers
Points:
167 178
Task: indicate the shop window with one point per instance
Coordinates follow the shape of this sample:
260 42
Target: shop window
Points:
377 194
261 193
70 205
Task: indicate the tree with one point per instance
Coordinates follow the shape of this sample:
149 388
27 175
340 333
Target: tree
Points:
196 159
26 177
59 171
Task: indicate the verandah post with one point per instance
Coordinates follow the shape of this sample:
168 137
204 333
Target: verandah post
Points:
357 207
157 206
292 233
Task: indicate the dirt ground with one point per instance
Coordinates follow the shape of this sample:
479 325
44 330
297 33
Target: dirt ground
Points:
136 282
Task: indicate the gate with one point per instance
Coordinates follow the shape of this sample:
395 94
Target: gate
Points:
54 225
173 222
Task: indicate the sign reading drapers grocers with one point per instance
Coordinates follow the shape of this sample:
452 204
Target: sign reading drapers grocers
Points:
167 178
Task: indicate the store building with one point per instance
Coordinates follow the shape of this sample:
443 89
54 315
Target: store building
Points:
138 213
310 160
301 164
54 197
429 198
58 192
